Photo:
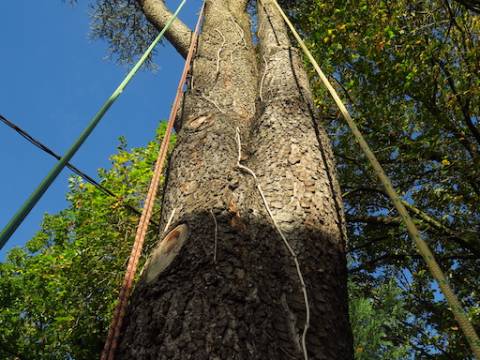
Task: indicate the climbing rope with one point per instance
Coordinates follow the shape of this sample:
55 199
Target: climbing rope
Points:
72 167
22 213
422 246
111 343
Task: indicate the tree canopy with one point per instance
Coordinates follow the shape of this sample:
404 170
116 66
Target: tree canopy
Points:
57 293
410 74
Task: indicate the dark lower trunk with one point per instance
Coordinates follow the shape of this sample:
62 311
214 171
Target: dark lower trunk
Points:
233 291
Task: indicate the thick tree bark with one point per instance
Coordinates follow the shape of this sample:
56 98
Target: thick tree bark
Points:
233 291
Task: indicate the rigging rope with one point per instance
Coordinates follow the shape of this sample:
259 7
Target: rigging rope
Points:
22 213
422 246
73 168
111 343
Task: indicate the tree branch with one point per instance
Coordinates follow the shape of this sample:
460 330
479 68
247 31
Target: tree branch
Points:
158 14
449 125
381 220
473 5
390 259
467 240
464 105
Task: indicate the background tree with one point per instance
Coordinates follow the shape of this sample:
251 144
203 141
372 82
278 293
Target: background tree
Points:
57 293
377 323
473 5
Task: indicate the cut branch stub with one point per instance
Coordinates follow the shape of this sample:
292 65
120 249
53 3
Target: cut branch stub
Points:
166 252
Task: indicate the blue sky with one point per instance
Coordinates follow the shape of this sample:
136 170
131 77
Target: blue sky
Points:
53 79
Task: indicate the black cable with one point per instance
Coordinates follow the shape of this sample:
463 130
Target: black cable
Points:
74 169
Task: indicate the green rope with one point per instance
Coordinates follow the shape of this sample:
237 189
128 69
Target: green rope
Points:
422 246
22 213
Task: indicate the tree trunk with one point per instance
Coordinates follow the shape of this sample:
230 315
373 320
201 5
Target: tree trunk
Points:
222 284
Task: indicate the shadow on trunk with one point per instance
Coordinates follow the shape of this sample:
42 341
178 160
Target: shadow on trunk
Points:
247 304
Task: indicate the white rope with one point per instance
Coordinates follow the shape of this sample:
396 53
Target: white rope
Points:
219 52
285 241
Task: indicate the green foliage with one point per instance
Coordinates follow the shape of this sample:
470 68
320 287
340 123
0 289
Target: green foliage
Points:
377 323
122 24
58 292
410 72
473 5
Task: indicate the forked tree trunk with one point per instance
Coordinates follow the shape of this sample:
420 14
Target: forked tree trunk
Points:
233 291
